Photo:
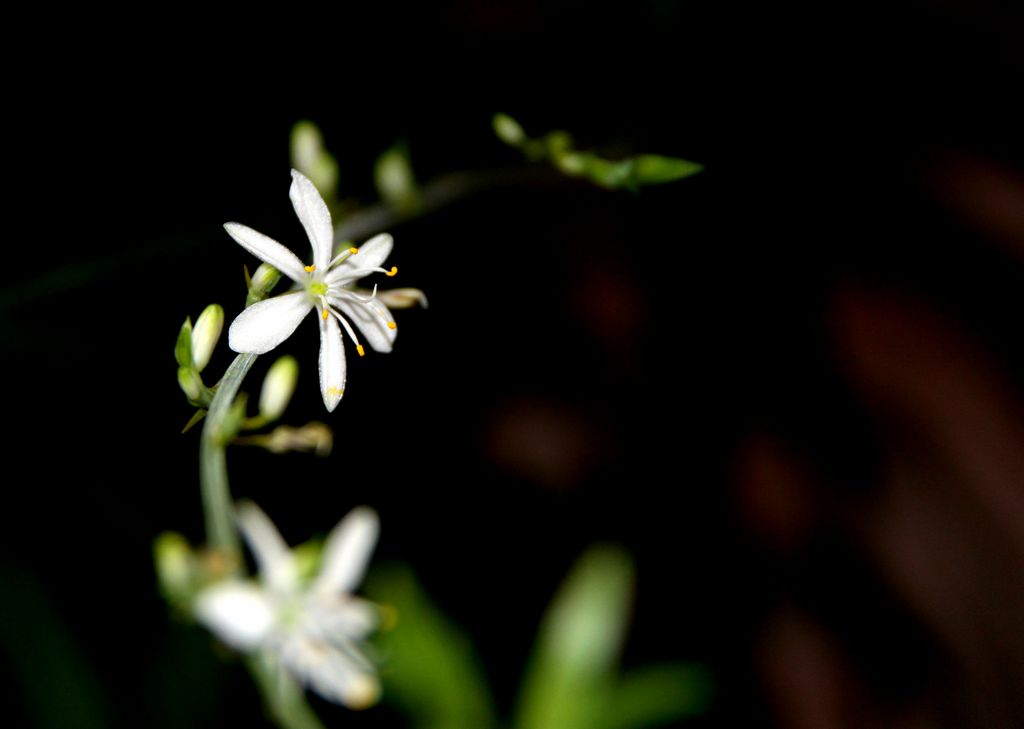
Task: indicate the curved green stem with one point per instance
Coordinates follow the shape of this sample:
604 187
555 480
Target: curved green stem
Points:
213 470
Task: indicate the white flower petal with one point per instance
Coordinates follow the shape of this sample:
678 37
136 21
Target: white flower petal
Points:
332 363
267 249
372 318
238 612
266 324
273 558
315 218
345 618
331 673
346 552
371 255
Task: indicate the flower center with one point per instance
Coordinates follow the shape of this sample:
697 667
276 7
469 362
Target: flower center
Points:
317 288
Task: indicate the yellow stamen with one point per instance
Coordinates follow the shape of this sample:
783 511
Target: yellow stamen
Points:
353 251
392 325
324 314
310 269
362 352
335 391
392 272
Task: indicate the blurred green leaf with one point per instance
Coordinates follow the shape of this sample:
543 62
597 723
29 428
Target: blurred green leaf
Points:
653 169
654 695
54 681
572 671
431 671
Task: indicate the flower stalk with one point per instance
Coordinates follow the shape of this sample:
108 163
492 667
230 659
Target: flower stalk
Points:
218 512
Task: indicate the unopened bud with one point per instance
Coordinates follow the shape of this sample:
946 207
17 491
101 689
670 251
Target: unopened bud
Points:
233 420
559 142
183 346
190 382
262 283
571 163
278 386
402 298
205 334
395 180
508 129
361 693
173 559
311 158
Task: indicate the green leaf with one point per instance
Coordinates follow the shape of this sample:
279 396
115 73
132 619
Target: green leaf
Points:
197 416
431 671
653 169
50 679
571 673
654 695
183 347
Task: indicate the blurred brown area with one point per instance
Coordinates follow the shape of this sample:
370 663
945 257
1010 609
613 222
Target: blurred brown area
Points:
941 532
790 386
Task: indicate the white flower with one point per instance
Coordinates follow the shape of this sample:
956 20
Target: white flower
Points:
311 629
324 286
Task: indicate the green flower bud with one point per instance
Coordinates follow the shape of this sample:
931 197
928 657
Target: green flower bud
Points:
234 419
559 142
311 158
508 130
183 347
173 559
262 283
571 163
190 382
395 180
205 334
278 386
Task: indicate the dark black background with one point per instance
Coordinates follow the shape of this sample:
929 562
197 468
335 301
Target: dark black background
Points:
645 337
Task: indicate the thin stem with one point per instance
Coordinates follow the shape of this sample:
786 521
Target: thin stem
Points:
284 699
213 470
440 192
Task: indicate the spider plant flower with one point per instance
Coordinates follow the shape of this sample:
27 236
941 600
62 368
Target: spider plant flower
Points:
310 628
324 286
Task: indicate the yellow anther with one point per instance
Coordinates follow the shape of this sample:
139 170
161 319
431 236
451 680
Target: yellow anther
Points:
353 251
392 325
324 314
362 352
335 391
310 269
392 272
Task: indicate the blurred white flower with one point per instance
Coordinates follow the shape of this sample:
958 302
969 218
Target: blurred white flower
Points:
311 629
324 286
